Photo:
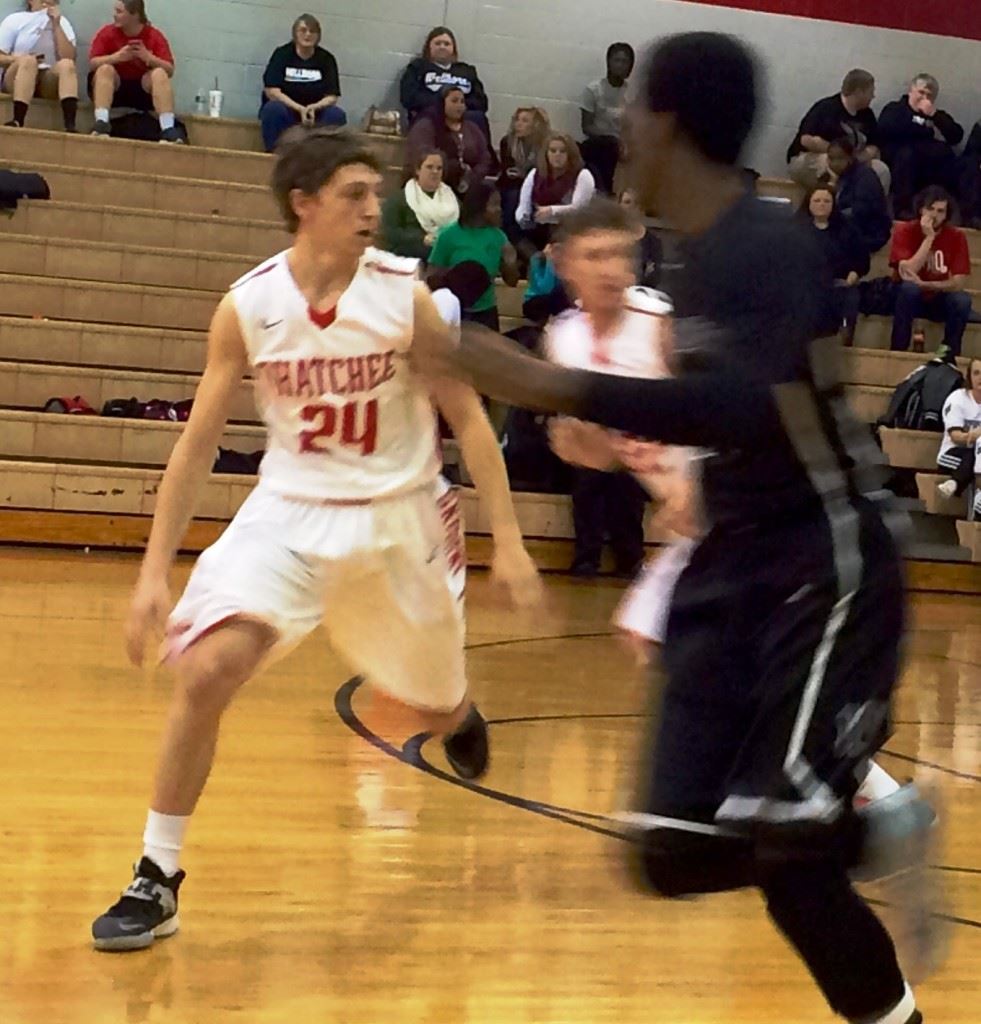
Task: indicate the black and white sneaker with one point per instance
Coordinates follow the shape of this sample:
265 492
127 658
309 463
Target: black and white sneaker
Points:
102 129
172 136
467 749
146 911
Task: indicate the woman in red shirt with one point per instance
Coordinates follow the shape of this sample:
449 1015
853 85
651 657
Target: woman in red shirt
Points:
132 66
931 262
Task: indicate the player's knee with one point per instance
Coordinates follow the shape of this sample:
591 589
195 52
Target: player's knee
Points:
66 66
210 677
25 61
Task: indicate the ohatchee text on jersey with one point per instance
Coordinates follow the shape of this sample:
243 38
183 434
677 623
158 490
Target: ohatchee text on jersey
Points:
347 418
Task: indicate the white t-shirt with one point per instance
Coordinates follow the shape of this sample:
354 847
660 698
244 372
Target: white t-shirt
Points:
33 32
961 412
607 104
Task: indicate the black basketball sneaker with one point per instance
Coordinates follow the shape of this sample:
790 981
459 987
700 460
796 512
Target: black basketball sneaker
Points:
146 911
467 749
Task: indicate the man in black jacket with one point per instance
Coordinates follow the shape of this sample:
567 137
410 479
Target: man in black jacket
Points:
439 66
970 180
918 143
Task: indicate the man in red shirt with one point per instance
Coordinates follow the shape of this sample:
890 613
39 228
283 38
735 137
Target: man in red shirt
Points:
931 262
132 66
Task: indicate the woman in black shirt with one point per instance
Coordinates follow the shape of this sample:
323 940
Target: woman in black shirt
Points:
301 84
843 253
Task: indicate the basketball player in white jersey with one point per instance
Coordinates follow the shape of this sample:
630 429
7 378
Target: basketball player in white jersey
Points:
350 524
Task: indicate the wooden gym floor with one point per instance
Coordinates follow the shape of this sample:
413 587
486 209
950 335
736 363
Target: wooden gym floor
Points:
330 881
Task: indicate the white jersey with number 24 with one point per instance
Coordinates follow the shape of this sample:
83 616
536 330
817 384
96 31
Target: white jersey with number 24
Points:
348 419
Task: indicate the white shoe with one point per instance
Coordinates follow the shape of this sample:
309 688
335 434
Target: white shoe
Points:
948 488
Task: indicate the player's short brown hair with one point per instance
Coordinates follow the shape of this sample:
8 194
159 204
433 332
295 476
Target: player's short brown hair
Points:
599 214
307 158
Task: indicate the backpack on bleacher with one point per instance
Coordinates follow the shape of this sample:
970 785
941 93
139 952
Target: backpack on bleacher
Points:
140 126
918 401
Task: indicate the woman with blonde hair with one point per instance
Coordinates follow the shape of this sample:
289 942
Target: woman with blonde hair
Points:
557 186
521 150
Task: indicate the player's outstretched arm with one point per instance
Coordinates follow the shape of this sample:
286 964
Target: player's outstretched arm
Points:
463 411
186 474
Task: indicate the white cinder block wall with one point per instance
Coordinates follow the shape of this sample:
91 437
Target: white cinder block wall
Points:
543 51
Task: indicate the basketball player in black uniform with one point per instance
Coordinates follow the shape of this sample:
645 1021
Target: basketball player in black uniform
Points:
782 647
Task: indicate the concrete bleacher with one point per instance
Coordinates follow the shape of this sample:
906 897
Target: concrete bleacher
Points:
107 291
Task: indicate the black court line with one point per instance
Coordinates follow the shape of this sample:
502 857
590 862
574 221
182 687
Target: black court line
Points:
411 754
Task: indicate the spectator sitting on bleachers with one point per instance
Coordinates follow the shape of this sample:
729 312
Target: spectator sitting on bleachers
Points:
521 150
300 84
602 109
132 66
844 254
477 237
847 114
557 186
425 78
931 263
960 454
650 251
37 55
970 179
545 295
445 128
859 196
413 216
917 142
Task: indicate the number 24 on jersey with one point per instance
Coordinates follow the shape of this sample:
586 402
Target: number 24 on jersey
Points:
352 425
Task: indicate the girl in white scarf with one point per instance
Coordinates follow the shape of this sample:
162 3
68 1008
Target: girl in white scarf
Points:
433 203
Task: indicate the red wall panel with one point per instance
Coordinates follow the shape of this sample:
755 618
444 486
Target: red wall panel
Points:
943 17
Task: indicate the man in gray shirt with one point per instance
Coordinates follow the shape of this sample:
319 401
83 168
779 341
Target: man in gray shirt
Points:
603 104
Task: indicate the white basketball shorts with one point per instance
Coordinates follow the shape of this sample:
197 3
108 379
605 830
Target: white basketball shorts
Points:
645 607
385 578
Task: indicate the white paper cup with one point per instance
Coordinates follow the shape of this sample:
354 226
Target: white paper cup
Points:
214 102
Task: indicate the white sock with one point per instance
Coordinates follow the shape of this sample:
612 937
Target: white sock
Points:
102 113
900 1013
166 121
163 838
878 783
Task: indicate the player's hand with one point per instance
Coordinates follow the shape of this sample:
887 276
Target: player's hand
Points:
542 214
640 649
513 569
927 225
308 116
582 444
148 611
54 13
